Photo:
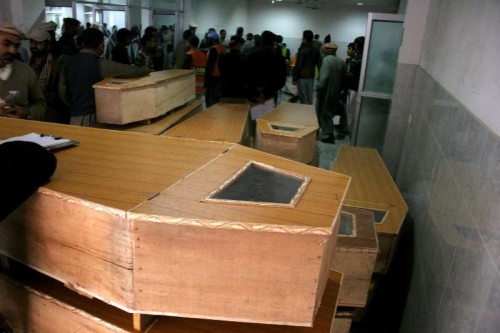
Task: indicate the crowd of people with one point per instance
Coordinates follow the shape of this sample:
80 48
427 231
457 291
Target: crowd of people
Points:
53 80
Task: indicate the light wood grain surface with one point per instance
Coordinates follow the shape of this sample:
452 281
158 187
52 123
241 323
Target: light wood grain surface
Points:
293 113
153 78
56 309
317 208
159 125
223 122
372 186
114 168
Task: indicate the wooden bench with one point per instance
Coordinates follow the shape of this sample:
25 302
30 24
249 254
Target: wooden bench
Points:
373 188
288 131
223 122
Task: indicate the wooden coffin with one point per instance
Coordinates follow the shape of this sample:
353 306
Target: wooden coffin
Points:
41 304
123 101
162 123
134 220
325 321
374 189
33 302
355 255
224 122
288 131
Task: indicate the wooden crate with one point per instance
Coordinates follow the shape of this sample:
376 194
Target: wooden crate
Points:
288 131
162 123
123 101
122 221
374 189
37 303
223 122
355 256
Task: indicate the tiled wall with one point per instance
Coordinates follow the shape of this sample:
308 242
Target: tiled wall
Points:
449 175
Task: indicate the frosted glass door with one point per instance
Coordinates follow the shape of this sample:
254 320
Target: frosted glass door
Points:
383 54
378 73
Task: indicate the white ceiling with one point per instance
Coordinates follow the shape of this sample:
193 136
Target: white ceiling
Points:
372 4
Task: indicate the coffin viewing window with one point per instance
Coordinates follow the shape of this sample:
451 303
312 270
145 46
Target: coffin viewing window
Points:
347 226
260 184
284 128
378 215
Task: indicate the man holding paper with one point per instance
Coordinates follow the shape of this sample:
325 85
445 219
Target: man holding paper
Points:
20 93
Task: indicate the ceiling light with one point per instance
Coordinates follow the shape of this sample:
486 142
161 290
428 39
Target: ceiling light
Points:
360 4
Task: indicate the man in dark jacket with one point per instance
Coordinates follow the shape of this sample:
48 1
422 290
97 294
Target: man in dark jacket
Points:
232 67
83 70
266 71
308 58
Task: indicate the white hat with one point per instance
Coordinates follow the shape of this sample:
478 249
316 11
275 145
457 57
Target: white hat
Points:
39 35
9 28
48 26
193 25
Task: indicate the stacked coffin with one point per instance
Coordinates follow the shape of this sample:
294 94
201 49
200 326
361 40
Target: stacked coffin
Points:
373 211
153 225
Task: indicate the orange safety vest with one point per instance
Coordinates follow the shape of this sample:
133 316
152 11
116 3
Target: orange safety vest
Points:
198 64
220 50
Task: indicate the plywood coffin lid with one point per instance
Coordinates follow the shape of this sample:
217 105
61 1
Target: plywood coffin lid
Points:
372 187
153 78
185 202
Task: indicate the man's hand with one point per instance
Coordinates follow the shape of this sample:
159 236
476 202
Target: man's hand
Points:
14 111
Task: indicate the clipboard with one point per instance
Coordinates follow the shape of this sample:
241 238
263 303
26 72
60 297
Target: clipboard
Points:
49 142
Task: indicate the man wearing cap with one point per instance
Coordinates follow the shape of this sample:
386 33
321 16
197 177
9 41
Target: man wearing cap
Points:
193 27
67 41
41 57
212 72
20 92
329 91
51 28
